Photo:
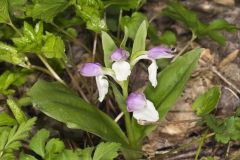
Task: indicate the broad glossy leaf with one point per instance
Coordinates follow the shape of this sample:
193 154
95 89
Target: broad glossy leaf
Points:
171 82
133 23
65 106
108 47
53 47
10 54
46 10
6 120
140 38
106 151
4 16
206 102
37 143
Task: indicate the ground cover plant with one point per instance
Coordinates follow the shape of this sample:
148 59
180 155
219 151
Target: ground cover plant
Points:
72 78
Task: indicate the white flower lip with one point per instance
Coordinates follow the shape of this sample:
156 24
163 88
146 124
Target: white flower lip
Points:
122 70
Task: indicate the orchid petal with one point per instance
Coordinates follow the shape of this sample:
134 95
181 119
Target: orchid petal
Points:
102 85
119 55
122 70
148 113
152 73
91 69
136 101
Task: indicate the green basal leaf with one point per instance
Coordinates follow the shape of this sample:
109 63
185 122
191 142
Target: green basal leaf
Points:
218 37
37 143
133 23
54 47
10 54
123 4
4 16
46 10
205 103
171 82
6 120
140 38
16 110
65 106
168 38
108 47
106 151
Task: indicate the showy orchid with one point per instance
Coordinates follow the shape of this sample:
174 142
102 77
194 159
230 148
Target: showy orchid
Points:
120 66
142 108
120 71
154 54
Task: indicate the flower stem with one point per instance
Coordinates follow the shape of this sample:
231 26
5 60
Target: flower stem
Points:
200 145
14 28
51 70
127 118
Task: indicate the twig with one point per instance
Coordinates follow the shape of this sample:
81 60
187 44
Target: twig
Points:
185 47
54 74
119 117
214 70
94 47
75 83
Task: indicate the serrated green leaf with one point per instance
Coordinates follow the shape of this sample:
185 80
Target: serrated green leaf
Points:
46 10
133 23
64 105
17 8
92 13
54 145
206 102
6 120
4 16
9 78
17 112
140 38
37 143
10 54
168 38
106 151
24 156
53 47
68 155
31 41
86 153
108 47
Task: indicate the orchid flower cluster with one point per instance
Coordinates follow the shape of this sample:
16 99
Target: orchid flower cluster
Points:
142 108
